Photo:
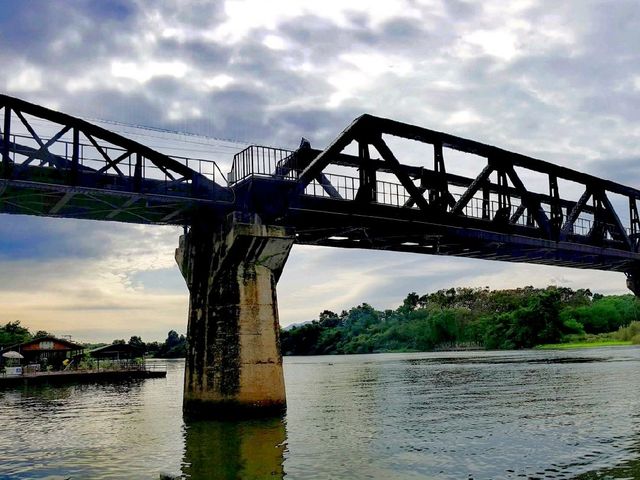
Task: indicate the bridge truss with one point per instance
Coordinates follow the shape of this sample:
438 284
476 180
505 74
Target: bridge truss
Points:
57 165
424 209
356 193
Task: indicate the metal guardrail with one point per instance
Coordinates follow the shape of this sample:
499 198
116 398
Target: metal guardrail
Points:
90 157
257 160
394 194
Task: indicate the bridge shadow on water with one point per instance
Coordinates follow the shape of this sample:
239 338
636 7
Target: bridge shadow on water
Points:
229 450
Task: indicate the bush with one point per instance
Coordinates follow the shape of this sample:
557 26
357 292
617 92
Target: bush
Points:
573 327
629 332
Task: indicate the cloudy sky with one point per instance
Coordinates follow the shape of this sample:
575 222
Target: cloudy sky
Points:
555 80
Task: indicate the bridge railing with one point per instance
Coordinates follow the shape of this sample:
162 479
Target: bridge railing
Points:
90 157
394 194
258 160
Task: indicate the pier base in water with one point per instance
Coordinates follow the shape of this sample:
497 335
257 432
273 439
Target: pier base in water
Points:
233 365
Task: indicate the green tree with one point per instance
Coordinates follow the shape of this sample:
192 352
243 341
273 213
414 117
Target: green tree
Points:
136 342
175 346
410 303
328 319
173 339
13 333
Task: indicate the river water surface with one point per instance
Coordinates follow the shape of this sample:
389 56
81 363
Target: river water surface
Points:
471 415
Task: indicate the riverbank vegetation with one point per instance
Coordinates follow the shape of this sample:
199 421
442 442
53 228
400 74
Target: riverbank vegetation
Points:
584 344
465 318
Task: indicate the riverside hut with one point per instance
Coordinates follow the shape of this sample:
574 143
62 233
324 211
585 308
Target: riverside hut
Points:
47 352
117 355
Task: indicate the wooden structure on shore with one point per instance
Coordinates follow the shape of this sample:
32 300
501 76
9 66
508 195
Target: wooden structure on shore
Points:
46 351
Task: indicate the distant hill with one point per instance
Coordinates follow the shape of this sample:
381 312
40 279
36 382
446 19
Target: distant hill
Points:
296 325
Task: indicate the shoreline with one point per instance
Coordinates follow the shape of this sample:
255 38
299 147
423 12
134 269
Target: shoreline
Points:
546 346
577 345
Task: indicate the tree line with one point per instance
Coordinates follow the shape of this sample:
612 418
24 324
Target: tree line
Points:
447 319
175 345
464 318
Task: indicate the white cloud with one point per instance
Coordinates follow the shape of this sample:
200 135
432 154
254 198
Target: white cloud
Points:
464 117
144 71
499 43
247 15
219 81
274 42
25 79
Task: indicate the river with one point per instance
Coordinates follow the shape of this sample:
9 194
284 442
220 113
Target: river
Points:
453 415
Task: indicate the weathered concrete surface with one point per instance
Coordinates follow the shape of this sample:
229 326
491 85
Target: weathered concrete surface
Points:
633 282
233 365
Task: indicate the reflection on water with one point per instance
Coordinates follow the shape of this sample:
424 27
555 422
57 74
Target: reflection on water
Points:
235 450
473 415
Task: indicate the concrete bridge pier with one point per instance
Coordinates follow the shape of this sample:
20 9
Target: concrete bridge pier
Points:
633 281
234 365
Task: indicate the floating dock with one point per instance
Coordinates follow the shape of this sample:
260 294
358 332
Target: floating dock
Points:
78 376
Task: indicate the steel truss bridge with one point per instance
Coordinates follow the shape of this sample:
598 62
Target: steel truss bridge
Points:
356 193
